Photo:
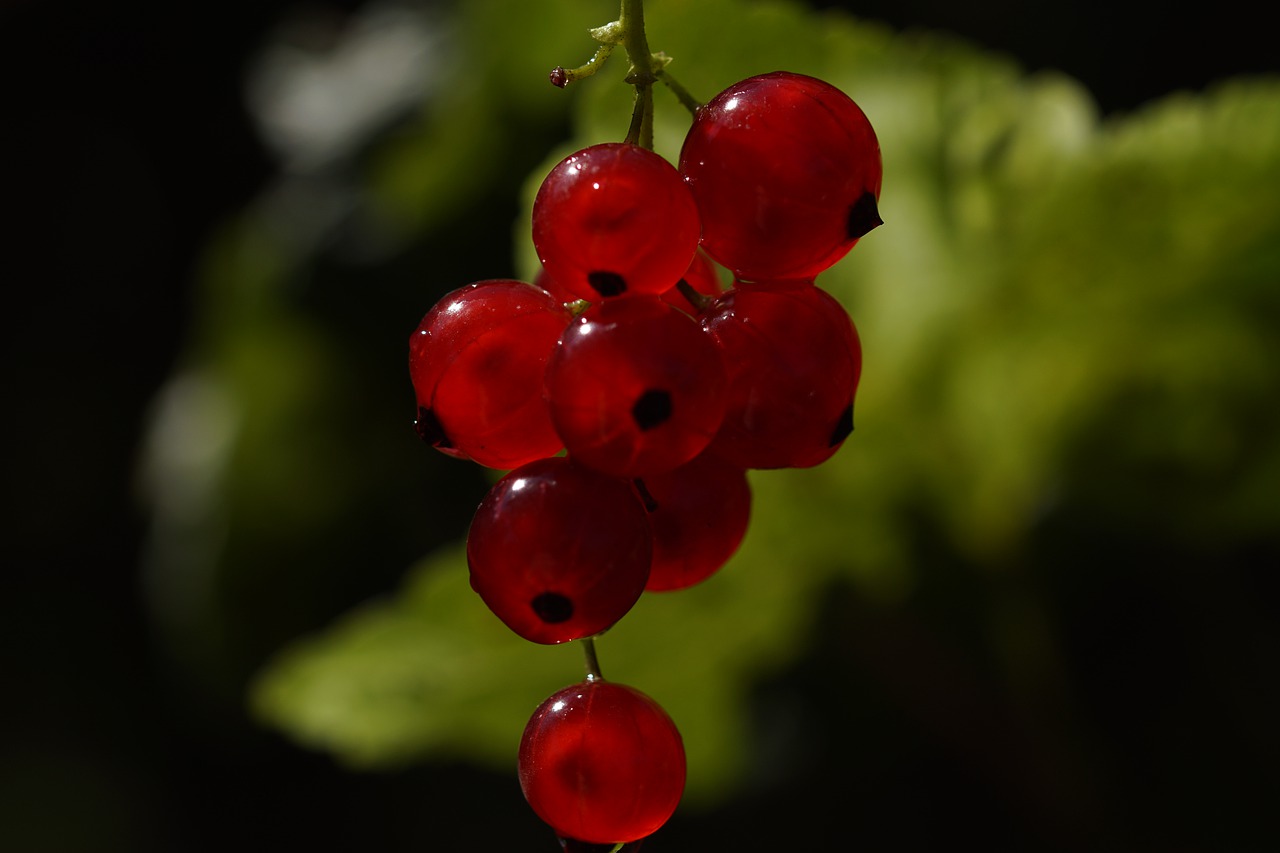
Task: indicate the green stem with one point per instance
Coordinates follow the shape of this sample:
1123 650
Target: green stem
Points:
589 657
636 43
698 300
640 132
631 19
562 76
690 103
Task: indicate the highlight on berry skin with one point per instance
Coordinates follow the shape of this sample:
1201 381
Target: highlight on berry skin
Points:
559 551
795 361
476 361
602 763
614 220
786 172
635 387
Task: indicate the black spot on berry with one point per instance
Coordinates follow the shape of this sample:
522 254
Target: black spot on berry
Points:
646 497
429 429
607 283
844 426
864 215
651 409
552 607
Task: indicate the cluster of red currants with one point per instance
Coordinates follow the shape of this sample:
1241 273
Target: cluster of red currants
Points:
662 387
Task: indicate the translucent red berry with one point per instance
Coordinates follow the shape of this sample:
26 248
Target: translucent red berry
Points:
476 361
786 172
556 290
614 219
602 763
558 551
699 514
795 360
635 387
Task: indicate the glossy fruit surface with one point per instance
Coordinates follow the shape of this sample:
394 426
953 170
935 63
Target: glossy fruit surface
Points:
635 387
786 172
699 514
614 219
476 362
795 361
559 552
602 763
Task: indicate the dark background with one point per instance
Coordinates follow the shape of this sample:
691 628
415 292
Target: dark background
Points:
124 141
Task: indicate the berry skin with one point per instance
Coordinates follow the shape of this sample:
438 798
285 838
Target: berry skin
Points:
699 514
602 763
786 172
559 552
795 360
635 387
545 282
614 219
476 361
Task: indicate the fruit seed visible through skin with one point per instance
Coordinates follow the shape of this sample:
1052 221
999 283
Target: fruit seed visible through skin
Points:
552 607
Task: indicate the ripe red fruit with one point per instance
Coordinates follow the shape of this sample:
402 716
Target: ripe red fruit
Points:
476 361
795 360
699 514
614 219
559 552
602 763
635 387
786 172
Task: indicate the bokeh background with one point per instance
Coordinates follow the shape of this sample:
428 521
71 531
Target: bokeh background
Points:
189 189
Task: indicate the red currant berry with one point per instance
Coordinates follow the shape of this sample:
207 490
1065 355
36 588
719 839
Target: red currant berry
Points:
614 219
795 360
602 763
557 291
699 514
786 172
635 387
559 552
476 361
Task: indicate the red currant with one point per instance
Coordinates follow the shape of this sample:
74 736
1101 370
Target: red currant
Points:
786 172
795 360
476 361
548 284
635 387
699 514
558 551
614 219
602 763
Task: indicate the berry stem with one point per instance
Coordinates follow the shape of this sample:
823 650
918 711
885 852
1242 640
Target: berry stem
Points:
698 300
562 76
641 75
641 130
590 659
690 103
631 19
